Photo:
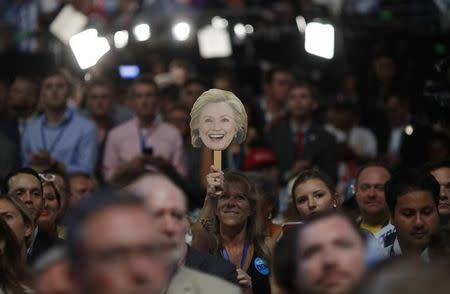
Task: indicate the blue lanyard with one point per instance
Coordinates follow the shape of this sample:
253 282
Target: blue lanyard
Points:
57 139
244 254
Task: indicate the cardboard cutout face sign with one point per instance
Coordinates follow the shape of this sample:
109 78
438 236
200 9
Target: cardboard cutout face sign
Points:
217 118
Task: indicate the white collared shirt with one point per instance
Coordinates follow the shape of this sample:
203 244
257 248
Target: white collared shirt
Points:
395 250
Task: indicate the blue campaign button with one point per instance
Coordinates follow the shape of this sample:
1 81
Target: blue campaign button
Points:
261 266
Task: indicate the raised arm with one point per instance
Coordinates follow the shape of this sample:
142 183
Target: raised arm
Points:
203 231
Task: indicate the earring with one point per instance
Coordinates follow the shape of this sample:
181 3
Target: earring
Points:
334 204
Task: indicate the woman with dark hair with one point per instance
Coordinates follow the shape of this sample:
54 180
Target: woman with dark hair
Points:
231 226
312 192
268 192
13 276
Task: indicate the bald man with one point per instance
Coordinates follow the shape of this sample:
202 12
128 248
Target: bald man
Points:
167 204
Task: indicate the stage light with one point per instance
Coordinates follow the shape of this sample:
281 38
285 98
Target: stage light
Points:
88 48
219 22
181 31
319 39
301 23
214 43
239 31
249 29
121 39
142 32
67 23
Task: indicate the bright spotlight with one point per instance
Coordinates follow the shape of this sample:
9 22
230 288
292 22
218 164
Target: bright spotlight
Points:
219 22
142 32
121 39
239 31
181 31
88 48
319 39
249 29
213 42
301 23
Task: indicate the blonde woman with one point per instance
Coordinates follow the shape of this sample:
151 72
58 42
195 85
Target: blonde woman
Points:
217 118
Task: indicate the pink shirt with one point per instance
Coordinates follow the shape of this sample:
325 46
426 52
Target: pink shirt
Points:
124 143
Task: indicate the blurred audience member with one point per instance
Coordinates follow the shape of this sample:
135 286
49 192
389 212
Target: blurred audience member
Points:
81 185
330 255
143 142
179 72
104 112
402 141
16 216
298 142
438 147
382 81
59 136
231 226
4 88
370 181
167 204
169 98
191 90
9 155
179 117
441 172
62 184
406 276
23 99
267 189
312 192
13 274
277 84
360 142
21 106
51 273
356 144
262 160
284 263
113 247
440 245
413 199
224 81
47 221
25 185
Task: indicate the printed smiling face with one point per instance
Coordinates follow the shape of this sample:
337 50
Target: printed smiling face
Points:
217 125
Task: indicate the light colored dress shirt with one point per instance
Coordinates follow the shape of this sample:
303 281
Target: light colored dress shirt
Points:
396 250
72 142
124 143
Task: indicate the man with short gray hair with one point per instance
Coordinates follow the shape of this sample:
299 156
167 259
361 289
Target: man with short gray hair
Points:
167 204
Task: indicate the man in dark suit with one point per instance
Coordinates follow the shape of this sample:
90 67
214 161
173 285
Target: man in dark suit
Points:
210 264
402 141
25 184
167 203
300 143
15 112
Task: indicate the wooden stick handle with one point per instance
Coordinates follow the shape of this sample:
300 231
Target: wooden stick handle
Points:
218 159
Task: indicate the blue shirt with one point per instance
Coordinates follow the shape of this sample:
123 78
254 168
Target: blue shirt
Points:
72 142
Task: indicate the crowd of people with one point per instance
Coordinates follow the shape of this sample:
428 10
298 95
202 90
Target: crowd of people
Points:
104 192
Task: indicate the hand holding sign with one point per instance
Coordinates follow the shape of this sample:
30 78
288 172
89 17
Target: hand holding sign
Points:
217 118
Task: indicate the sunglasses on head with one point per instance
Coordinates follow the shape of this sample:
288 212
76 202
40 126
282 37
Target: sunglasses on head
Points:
47 177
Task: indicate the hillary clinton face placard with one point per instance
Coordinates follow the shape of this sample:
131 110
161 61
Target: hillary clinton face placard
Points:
217 118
